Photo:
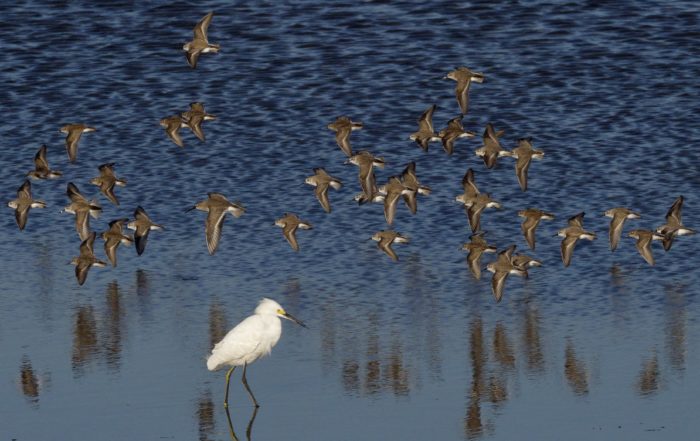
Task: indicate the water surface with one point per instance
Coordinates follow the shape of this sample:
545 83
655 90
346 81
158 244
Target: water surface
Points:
604 349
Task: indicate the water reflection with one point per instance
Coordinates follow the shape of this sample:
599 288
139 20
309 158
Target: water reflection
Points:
328 335
473 424
206 423
249 427
112 334
502 348
350 376
532 341
142 285
218 325
45 271
372 380
369 366
29 381
424 307
84 339
675 327
648 382
575 370
143 295
395 374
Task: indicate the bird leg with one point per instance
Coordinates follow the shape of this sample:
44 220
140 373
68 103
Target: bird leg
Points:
228 379
245 383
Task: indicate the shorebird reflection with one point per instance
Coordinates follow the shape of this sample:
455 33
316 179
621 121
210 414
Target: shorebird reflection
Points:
473 424
206 422
84 339
218 325
648 380
29 381
112 340
575 371
675 327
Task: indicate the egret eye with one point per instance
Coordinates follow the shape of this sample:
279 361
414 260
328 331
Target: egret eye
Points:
280 311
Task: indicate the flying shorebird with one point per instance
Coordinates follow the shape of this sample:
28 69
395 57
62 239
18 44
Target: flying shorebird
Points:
532 219
464 77
426 132
41 166
674 224
172 126
453 132
200 44
523 262
618 215
342 127
366 163
410 181
523 154
482 200
142 225
74 131
470 189
474 201
571 234
392 191
491 150
87 259
500 269
194 117
82 209
216 206
114 237
387 237
23 203
289 224
476 247
107 180
322 180
251 339
644 240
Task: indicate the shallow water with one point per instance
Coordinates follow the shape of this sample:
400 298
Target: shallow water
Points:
604 349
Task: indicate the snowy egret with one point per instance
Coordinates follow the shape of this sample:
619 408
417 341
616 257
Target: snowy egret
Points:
251 339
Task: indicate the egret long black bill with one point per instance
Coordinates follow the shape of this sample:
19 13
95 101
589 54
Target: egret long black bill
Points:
288 316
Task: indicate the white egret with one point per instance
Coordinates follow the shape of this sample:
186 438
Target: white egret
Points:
251 339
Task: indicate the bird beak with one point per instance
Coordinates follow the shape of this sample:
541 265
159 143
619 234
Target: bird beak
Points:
288 316
188 209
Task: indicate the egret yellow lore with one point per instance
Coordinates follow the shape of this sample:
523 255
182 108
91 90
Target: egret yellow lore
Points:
249 340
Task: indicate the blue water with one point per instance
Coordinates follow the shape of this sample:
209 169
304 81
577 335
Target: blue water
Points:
604 349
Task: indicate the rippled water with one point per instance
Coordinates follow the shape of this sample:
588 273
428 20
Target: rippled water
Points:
604 349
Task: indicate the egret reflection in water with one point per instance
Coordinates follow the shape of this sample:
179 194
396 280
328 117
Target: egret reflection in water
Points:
249 427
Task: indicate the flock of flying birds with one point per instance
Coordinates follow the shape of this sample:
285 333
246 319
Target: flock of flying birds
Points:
406 186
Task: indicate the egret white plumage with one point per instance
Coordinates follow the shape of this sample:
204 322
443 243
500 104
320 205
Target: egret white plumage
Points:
251 339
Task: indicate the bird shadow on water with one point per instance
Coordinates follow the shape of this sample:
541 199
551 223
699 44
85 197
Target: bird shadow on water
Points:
248 429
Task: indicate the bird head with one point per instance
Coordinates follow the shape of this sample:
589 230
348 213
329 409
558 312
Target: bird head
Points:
269 306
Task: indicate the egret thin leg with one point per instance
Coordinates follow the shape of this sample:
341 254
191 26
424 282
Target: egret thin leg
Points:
228 379
245 383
